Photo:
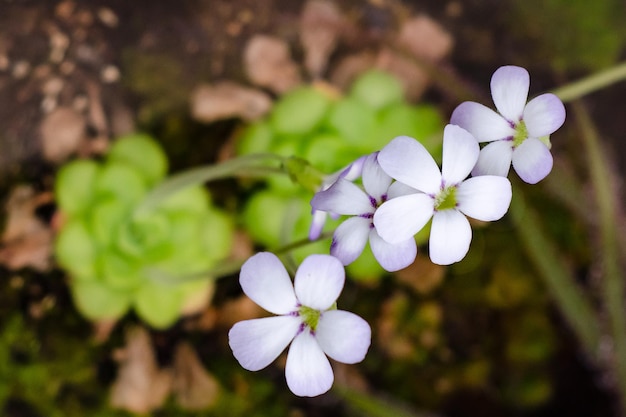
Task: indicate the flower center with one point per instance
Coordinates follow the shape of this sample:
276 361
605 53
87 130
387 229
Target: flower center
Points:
309 316
446 199
521 133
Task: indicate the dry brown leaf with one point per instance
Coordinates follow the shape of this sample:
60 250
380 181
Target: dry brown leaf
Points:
422 275
26 241
349 68
140 385
268 63
194 387
242 308
320 27
62 133
425 38
228 99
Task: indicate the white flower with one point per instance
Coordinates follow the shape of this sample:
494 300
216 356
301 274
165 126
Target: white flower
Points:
306 318
519 133
443 195
350 238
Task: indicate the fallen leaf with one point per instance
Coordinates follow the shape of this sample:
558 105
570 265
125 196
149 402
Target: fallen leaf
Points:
26 241
321 25
268 63
422 275
193 386
228 99
140 386
425 38
62 132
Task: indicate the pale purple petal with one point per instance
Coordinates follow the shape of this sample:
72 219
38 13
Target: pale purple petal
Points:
401 218
460 153
532 161
485 198
350 239
343 336
392 257
406 160
483 123
494 159
343 197
319 281
375 180
544 115
265 280
398 189
450 237
354 170
308 370
509 90
256 343
317 224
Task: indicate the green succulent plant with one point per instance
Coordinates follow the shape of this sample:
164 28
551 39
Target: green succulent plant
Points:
120 257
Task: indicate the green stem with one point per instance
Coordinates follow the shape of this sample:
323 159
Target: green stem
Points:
572 303
372 405
594 82
249 165
601 179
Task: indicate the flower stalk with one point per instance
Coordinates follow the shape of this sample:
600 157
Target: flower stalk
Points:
592 83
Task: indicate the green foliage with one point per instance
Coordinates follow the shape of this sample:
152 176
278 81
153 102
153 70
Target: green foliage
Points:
120 257
330 133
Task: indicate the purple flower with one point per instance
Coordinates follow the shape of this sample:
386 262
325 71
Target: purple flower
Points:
351 237
306 318
445 196
519 133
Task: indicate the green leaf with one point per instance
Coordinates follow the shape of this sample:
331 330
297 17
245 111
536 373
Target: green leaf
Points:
118 271
352 119
75 250
257 138
299 111
194 199
377 89
143 154
217 235
96 301
74 186
146 235
121 182
158 305
263 217
329 152
107 216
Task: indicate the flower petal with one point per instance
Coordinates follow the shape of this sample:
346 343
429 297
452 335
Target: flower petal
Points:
343 197
319 281
308 370
350 238
317 224
398 189
494 159
450 237
532 161
544 115
392 257
460 153
406 160
256 343
485 198
399 219
509 90
483 123
343 336
375 181
265 280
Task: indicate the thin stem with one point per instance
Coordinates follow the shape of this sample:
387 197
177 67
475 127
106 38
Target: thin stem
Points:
372 405
594 82
571 301
249 165
609 241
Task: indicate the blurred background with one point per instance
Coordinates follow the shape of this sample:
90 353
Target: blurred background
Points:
327 81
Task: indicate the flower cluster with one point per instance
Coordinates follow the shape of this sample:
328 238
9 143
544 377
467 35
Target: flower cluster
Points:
401 189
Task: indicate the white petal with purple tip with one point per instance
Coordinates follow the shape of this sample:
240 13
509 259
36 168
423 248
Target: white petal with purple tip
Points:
375 180
265 280
343 197
483 123
509 90
308 371
485 198
543 115
450 237
494 159
392 257
460 152
401 218
406 160
256 343
343 336
532 161
319 281
350 239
